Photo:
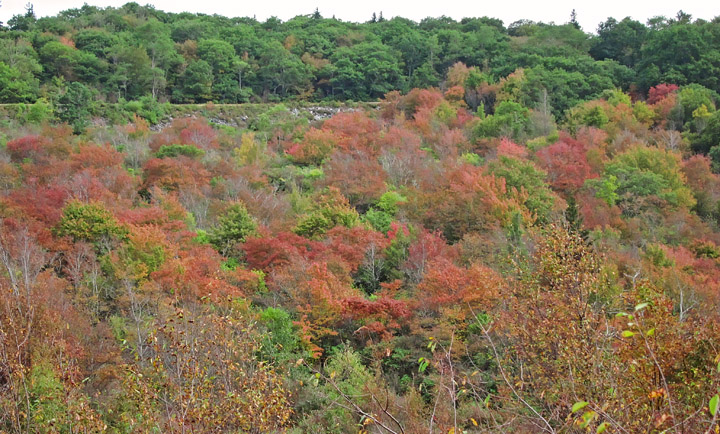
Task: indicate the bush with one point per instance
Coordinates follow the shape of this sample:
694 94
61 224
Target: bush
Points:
329 210
172 151
233 228
88 222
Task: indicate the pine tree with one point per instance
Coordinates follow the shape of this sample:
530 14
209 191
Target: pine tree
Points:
233 228
573 19
574 219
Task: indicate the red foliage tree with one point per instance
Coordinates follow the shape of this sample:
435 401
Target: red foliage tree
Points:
662 90
351 244
465 200
509 148
357 130
95 157
315 146
42 203
173 173
566 164
196 274
400 138
187 131
379 317
426 247
447 285
27 147
269 252
419 100
357 175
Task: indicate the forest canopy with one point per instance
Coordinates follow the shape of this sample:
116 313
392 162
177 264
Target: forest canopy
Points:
133 52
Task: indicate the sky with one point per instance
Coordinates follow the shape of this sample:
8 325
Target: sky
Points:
589 13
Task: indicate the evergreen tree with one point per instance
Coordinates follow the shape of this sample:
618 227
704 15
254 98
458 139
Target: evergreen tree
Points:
232 228
573 19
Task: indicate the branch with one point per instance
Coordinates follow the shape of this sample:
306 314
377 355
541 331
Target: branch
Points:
384 409
359 410
548 427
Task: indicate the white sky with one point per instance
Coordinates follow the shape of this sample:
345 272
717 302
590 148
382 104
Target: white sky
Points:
589 13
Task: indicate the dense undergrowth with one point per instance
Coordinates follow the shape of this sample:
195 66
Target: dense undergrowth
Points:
405 268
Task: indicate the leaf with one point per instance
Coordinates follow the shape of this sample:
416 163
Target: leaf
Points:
587 418
602 427
579 406
628 334
651 332
713 406
474 422
641 306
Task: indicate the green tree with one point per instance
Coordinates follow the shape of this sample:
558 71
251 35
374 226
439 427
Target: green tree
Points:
691 99
232 228
193 29
524 176
641 172
511 119
621 41
90 222
57 60
280 74
329 209
565 85
20 54
226 67
13 88
75 106
195 83
23 22
365 71
681 53
709 139
154 36
133 74
95 41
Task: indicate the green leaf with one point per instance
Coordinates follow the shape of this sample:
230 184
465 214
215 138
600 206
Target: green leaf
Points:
587 418
650 332
641 306
713 407
423 364
628 334
579 406
602 427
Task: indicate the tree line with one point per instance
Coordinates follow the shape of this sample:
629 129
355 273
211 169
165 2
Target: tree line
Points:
134 52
